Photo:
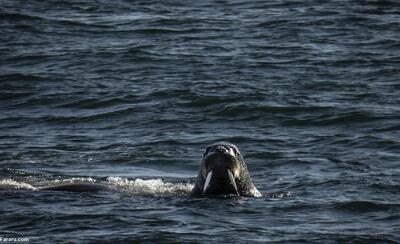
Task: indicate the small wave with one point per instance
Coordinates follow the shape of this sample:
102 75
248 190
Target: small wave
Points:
366 206
279 195
20 77
272 109
337 119
12 184
151 187
19 16
92 116
163 30
387 186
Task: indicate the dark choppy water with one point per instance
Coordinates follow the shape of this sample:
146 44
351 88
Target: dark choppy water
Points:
129 93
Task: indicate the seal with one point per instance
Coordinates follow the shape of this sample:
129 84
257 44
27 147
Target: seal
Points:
224 172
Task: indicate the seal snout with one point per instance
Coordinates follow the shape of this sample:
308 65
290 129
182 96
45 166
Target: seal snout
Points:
225 185
220 170
221 148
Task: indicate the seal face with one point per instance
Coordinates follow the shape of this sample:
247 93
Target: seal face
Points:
224 172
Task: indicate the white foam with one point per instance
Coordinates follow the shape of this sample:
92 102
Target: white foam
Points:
255 192
153 187
73 180
79 180
12 184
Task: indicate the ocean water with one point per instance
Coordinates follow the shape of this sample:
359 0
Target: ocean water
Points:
129 93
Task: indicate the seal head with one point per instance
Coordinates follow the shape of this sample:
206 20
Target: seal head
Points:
224 172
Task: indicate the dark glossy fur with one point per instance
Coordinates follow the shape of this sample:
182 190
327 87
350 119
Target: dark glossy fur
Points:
243 182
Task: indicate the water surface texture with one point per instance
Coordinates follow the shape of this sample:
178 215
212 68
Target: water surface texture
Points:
129 93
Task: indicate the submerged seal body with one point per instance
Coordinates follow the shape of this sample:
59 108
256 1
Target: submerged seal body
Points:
224 172
82 187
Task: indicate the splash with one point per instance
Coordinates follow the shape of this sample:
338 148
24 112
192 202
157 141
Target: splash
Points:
151 187
12 184
279 195
73 180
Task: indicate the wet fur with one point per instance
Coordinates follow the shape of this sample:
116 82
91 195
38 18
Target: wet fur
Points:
243 182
